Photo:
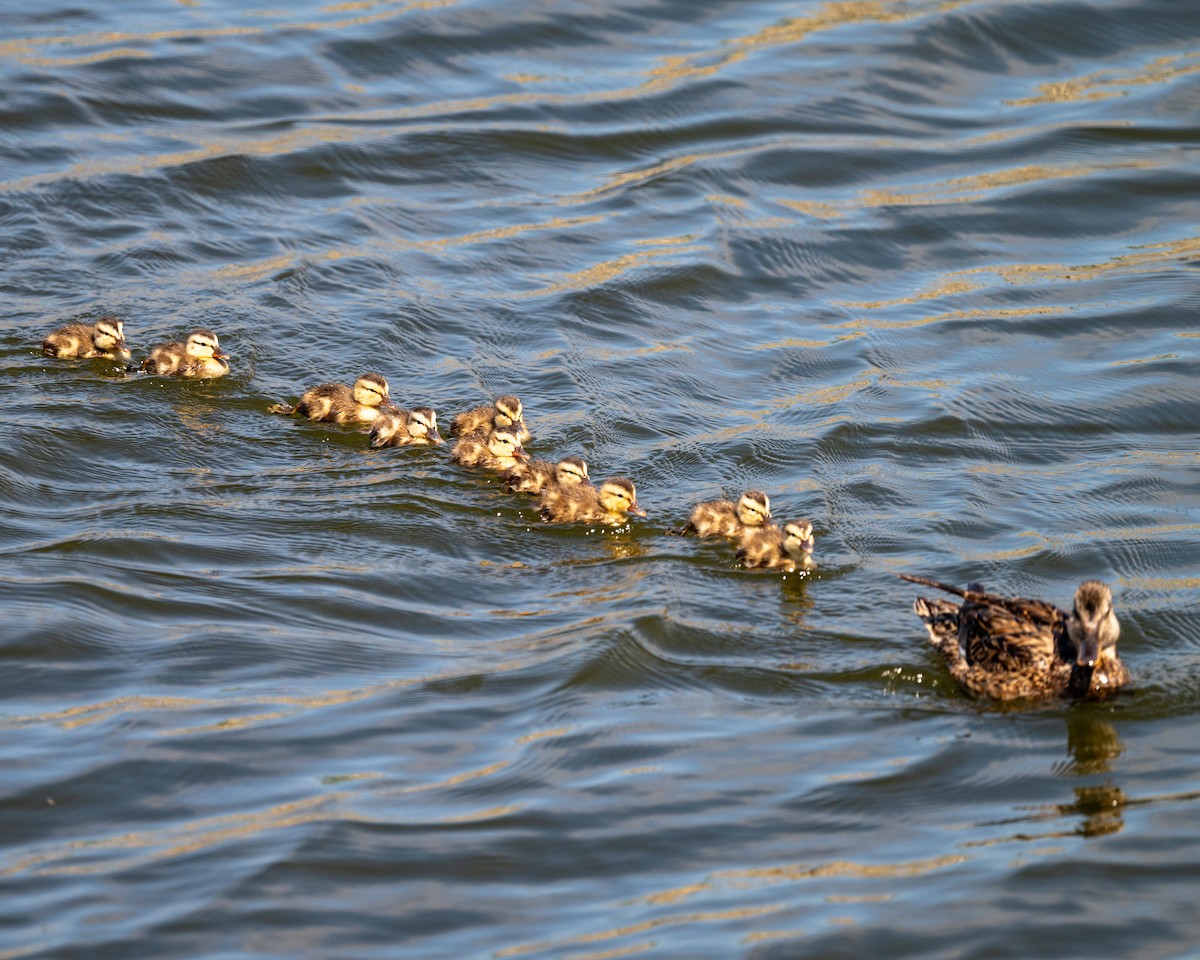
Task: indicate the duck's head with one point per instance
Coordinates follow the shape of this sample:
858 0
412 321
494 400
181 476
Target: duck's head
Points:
619 496
504 445
798 539
571 472
422 424
1093 626
370 390
754 508
203 345
109 335
509 412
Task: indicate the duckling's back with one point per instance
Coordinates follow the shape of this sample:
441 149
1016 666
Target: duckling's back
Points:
578 504
167 359
714 518
475 420
328 403
471 450
763 547
74 341
530 477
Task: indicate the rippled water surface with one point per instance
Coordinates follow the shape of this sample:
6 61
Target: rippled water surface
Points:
925 271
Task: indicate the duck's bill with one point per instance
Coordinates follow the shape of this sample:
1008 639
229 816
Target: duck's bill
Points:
807 545
220 354
636 510
435 438
1089 649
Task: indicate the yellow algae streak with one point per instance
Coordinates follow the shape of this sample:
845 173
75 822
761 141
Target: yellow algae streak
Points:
1104 84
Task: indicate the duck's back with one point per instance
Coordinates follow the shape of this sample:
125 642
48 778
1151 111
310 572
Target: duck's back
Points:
75 340
529 477
328 402
580 504
167 359
763 547
715 518
471 451
475 420
1020 635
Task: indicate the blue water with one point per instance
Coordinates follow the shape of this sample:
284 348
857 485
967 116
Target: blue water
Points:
925 272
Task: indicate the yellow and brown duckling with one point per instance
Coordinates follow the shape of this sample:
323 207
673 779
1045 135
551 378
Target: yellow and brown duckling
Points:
534 476
338 403
403 428
610 504
79 341
505 412
1009 648
773 548
198 357
498 450
724 518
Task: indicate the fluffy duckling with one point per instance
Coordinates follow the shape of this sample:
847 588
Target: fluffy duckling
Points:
505 412
338 403
402 428
723 518
611 504
199 357
770 548
78 341
534 476
500 450
1008 648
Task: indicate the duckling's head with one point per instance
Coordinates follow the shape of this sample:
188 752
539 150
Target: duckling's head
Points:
203 345
422 423
798 539
1093 626
504 445
509 412
370 390
619 496
571 472
109 335
754 508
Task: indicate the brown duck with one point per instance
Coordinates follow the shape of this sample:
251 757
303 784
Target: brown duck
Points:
1008 648
534 476
611 504
771 548
724 518
338 403
199 357
505 412
78 341
499 450
403 428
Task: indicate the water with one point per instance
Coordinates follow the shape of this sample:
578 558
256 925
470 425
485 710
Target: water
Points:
924 271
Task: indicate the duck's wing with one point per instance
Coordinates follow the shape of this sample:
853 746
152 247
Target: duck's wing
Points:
1015 636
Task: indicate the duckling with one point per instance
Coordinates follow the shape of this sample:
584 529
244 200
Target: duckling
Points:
723 518
611 504
770 548
201 356
1003 648
499 450
505 412
534 476
78 341
402 428
338 403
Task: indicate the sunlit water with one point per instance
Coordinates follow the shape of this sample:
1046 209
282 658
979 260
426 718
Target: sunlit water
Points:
926 272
